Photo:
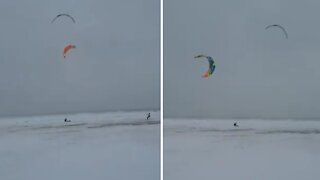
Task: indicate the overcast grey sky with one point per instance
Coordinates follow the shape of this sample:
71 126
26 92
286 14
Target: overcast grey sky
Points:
259 73
116 65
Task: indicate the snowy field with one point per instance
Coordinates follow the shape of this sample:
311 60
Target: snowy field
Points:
96 146
256 150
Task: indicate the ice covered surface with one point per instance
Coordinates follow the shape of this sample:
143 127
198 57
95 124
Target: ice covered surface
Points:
257 149
119 145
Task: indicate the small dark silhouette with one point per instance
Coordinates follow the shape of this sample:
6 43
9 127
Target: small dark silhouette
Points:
66 120
235 124
149 115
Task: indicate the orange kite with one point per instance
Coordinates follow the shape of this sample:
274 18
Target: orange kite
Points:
67 48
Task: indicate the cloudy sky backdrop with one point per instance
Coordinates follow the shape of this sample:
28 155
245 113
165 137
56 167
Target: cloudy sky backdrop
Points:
259 73
115 66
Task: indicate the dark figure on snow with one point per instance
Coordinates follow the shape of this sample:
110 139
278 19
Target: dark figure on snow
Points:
149 115
235 124
66 120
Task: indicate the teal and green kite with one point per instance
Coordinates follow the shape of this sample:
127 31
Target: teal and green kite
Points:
211 67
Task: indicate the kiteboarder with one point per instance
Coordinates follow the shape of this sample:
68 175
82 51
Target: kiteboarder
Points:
148 116
66 120
235 124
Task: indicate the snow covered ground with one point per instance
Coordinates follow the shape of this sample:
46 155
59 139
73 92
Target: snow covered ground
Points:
256 150
95 146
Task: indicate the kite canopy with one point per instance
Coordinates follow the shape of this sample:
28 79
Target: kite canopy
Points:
278 26
211 67
67 49
66 15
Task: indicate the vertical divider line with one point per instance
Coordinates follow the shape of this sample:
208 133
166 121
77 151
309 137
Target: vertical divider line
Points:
161 87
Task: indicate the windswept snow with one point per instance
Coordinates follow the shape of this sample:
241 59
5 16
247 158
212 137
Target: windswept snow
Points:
120 145
257 149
